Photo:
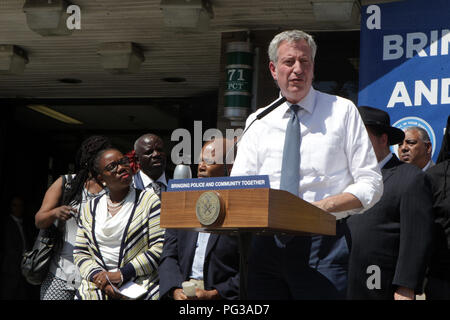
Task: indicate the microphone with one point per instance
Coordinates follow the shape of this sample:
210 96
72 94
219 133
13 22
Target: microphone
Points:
260 115
269 109
182 171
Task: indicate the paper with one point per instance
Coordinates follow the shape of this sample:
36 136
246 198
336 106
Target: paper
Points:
188 288
132 290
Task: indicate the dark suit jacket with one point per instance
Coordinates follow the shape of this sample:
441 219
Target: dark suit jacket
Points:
12 283
221 267
440 260
395 234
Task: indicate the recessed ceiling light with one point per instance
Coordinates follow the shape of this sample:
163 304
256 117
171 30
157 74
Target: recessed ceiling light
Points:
174 79
70 80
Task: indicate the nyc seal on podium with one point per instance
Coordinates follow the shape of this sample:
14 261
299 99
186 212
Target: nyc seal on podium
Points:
210 208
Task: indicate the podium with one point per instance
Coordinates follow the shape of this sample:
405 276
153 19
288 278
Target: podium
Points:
244 212
250 210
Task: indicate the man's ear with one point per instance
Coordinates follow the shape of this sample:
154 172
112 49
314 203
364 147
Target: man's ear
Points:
136 157
273 70
385 139
429 147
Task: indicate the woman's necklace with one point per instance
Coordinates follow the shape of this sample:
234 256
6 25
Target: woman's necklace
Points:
113 208
115 205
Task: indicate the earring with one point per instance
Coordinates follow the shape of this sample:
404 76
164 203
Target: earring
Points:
104 184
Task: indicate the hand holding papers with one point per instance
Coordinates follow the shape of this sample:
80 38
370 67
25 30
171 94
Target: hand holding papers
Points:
129 290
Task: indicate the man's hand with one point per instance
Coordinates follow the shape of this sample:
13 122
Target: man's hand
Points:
178 294
207 294
200 294
404 293
341 202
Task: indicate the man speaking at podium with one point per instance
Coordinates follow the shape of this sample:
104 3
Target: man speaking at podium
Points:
315 146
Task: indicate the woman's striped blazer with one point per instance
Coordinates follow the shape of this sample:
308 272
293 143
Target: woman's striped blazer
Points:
140 250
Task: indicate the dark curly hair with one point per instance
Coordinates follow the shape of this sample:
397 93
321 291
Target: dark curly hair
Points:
96 161
84 161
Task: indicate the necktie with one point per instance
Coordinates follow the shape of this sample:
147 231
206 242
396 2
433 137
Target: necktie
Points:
158 187
290 165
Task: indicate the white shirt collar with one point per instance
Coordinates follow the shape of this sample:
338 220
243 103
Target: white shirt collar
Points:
16 219
308 103
146 180
427 165
386 159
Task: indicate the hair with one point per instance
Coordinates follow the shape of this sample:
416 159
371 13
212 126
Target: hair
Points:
422 133
96 170
375 130
84 161
290 36
378 132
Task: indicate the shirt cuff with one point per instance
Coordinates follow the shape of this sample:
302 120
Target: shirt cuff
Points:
367 195
128 272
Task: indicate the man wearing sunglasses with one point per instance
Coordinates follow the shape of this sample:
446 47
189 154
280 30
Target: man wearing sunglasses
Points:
152 159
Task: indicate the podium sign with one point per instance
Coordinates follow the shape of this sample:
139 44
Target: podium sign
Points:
404 64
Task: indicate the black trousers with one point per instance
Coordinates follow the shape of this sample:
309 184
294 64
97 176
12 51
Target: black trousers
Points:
437 289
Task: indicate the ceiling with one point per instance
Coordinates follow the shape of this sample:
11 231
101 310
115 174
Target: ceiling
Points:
168 52
125 106
150 102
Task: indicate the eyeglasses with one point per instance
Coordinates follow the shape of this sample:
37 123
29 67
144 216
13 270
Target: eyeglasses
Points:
112 167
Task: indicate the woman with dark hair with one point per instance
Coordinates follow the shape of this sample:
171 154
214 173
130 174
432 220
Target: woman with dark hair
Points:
59 206
119 238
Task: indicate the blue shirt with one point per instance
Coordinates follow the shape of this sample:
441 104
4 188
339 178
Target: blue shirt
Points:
199 257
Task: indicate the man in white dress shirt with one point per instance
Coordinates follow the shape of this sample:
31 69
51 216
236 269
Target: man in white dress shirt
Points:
152 159
338 173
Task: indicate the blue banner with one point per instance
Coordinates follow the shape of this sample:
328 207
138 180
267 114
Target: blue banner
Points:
219 183
405 64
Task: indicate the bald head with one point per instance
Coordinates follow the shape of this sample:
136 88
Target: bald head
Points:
145 139
212 159
150 153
